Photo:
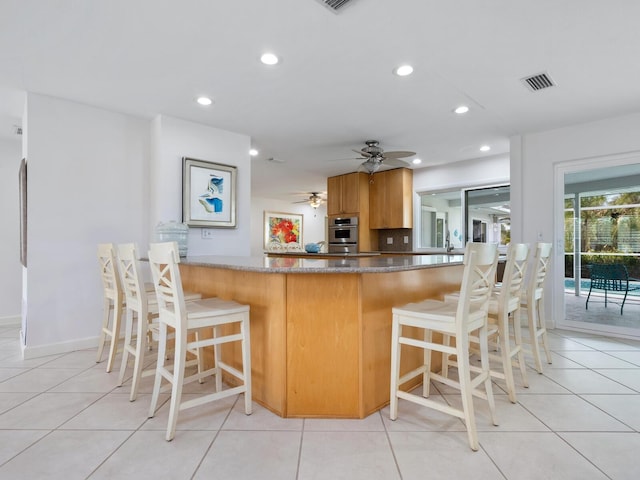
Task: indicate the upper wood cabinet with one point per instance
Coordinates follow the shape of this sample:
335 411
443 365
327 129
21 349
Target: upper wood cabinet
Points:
348 194
391 199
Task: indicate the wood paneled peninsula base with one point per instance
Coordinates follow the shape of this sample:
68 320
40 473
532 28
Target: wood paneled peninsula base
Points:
321 328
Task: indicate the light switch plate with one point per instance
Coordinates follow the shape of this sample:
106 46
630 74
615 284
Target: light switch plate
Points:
406 239
207 233
389 240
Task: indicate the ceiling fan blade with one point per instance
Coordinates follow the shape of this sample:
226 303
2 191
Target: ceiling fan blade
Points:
364 154
396 162
315 199
398 154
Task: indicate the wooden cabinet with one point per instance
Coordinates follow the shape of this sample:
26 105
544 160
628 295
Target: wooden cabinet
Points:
345 192
348 195
391 199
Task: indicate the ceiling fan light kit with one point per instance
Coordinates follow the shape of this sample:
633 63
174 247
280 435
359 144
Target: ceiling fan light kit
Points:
371 166
314 200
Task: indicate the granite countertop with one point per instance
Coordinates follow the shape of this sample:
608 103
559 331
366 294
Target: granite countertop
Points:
345 264
322 254
423 252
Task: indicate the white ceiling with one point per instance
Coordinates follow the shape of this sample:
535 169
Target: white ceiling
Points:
334 88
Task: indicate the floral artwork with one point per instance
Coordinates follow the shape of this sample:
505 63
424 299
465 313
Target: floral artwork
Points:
282 228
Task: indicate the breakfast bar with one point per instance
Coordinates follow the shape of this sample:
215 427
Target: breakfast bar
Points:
321 328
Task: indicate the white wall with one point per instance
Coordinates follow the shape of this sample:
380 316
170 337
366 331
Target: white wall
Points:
534 158
471 173
87 177
99 176
172 139
10 279
534 155
313 222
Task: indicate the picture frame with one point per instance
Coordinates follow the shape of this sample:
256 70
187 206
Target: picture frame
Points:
282 228
208 194
22 187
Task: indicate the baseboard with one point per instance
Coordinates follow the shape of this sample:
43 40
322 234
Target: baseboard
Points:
11 321
58 348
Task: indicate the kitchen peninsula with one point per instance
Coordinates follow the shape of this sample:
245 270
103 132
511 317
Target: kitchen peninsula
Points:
321 328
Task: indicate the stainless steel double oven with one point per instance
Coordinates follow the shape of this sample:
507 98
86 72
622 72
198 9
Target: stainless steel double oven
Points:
343 235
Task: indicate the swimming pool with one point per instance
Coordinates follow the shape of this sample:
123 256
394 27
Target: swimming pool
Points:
569 284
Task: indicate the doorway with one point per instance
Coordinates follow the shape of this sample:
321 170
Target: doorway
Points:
600 232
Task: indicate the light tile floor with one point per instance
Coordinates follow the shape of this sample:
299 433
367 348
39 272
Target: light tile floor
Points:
63 417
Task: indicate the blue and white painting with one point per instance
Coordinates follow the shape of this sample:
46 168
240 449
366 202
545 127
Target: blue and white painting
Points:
212 200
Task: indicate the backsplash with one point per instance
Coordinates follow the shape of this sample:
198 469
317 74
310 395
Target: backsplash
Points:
398 236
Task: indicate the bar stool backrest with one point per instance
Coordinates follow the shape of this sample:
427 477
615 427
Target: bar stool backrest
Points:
163 260
132 286
109 272
541 264
480 261
513 280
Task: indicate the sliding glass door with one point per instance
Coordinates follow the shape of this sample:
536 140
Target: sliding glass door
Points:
602 250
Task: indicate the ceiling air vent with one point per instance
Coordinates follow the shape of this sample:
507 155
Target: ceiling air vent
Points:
335 5
538 82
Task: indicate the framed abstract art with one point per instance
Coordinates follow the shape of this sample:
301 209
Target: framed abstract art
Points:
208 194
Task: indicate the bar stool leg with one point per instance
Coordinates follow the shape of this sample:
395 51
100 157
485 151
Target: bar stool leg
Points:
246 363
106 312
462 347
179 361
115 335
396 331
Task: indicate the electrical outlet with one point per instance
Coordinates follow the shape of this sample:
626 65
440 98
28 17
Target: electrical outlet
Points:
406 239
207 233
389 240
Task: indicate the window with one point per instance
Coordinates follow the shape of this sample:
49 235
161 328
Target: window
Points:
440 220
453 217
605 228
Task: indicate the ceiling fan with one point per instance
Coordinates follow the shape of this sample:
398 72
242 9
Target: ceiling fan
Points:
374 157
314 200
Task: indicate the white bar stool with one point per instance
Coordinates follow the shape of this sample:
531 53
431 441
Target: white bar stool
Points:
453 319
141 306
533 302
185 318
112 303
504 307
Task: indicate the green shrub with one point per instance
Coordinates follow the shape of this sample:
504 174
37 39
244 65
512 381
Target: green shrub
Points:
631 262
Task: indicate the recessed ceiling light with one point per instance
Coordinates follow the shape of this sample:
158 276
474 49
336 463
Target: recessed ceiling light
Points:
253 152
206 101
485 148
404 70
269 59
416 161
461 109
